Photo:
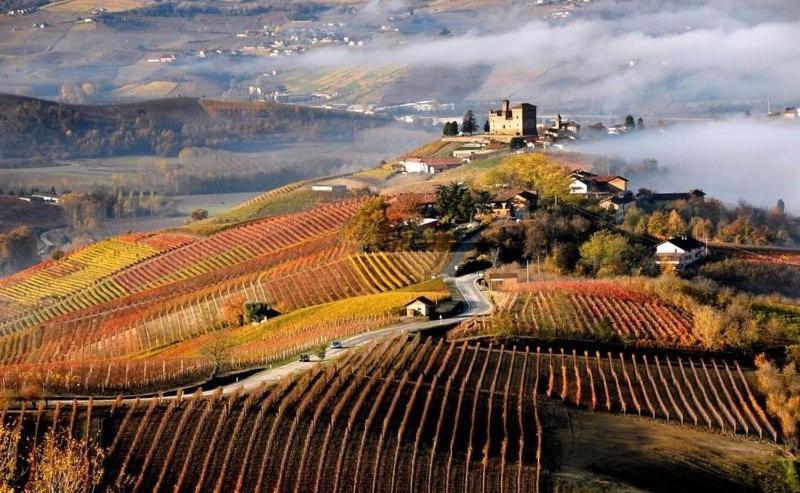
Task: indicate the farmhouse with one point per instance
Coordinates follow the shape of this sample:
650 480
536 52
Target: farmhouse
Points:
619 204
515 122
679 252
514 204
430 165
586 183
419 307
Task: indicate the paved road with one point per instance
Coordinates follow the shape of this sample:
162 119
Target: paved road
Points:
476 301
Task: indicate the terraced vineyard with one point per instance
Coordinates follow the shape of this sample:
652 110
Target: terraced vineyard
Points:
84 268
115 272
586 307
156 320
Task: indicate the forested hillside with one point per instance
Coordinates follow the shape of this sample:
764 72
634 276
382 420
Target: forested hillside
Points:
34 128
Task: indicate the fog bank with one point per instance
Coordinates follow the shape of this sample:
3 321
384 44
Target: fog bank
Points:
742 159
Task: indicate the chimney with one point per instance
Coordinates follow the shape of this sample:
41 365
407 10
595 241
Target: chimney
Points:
506 106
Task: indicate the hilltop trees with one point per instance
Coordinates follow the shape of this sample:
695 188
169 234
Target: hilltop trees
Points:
468 125
450 129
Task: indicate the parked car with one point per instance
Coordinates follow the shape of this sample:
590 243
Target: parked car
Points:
336 345
304 358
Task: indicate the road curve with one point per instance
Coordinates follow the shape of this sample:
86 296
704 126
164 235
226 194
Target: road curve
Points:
476 301
467 285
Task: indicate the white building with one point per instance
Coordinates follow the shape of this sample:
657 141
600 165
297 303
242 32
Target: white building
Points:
430 165
420 306
679 252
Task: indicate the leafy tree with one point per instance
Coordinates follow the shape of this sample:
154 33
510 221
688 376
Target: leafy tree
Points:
369 228
66 465
454 202
217 351
640 124
517 143
199 214
675 224
232 311
468 125
483 201
255 311
532 170
604 254
450 129
486 128
782 388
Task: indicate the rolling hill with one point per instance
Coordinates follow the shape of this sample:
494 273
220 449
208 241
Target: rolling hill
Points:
34 128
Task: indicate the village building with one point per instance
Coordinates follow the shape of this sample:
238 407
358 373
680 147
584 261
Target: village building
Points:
561 130
419 307
647 198
586 183
517 121
514 204
430 165
619 205
679 252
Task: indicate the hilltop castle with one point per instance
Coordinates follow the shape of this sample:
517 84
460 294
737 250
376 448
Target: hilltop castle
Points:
519 121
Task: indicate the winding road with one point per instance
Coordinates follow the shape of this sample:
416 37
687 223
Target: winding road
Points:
473 297
467 285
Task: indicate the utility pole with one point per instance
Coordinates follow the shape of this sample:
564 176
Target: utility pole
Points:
527 270
538 266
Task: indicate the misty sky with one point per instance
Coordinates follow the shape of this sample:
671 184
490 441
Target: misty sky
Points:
756 161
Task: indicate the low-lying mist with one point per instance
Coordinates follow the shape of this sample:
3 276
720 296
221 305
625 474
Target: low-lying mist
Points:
739 159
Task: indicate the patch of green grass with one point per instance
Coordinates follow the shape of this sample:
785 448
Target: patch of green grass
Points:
425 286
789 314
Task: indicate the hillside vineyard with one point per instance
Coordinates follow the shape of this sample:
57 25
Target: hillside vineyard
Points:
399 415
